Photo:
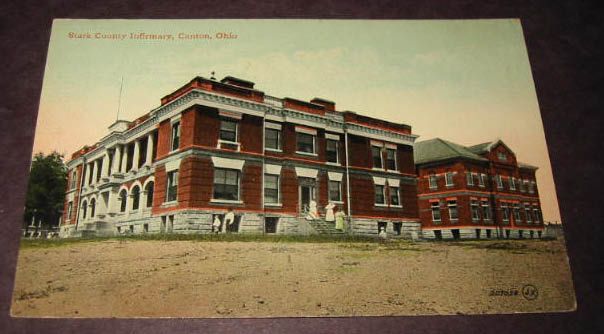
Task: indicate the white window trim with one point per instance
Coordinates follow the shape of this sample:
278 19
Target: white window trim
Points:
274 126
332 136
381 156
340 201
308 131
228 201
307 172
337 152
447 184
230 114
474 204
278 203
333 176
499 181
379 181
168 188
469 179
435 186
385 204
172 122
449 205
437 206
228 142
398 194
272 169
226 163
482 180
314 144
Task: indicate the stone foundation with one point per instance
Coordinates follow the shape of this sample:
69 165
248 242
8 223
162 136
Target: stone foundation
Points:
471 233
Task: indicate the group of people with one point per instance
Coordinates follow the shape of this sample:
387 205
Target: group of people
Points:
332 214
218 226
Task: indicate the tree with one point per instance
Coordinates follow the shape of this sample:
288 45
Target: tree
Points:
46 189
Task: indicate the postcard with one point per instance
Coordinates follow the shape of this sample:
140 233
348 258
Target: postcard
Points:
289 168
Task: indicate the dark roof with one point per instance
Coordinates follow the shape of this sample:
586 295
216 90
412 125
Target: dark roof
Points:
438 149
526 166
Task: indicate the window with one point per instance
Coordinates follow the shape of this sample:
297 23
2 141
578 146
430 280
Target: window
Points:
502 156
482 180
379 194
499 181
397 227
175 136
453 214
335 191
228 130
527 211
531 187
305 143
92 207
74 176
394 196
123 200
226 184
432 181
376 156
172 183
272 139
536 215
149 189
449 179
391 159
517 217
84 208
469 179
435 207
512 183
271 189
136 197
486 210
69 209
475 210
505 212
332 151
270 224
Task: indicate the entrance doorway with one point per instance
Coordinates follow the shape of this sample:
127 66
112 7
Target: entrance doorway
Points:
307 193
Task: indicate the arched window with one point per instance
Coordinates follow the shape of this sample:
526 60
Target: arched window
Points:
84 207
149 191
136 196
123 200
92 207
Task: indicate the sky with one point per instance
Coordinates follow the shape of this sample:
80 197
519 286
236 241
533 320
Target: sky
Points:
468 81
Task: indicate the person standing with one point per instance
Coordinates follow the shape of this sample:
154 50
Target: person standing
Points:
216 224
339 216
229 219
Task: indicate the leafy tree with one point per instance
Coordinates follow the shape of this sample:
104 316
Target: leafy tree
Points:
46 189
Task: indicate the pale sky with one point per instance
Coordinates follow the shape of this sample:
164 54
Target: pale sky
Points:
468 81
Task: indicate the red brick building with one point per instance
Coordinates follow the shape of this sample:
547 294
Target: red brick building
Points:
213 146
480 191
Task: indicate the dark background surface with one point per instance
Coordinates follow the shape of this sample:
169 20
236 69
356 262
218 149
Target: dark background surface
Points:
563 39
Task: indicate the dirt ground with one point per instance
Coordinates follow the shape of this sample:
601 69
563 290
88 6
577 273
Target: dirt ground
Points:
142 278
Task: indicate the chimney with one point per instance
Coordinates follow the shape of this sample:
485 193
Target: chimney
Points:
329 105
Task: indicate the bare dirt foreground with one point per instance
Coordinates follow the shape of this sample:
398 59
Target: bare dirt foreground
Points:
152 278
